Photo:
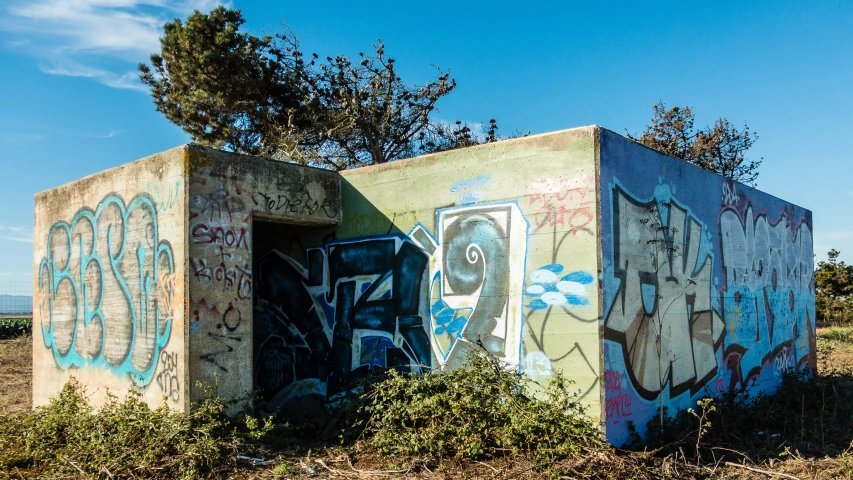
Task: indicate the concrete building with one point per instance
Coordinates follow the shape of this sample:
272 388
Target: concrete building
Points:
646 280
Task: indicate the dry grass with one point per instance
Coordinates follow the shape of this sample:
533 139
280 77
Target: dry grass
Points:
16 374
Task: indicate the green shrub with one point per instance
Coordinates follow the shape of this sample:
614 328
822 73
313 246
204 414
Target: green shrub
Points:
121 439
841 335
480 411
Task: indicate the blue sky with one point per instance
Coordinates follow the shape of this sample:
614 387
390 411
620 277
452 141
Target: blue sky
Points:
70 104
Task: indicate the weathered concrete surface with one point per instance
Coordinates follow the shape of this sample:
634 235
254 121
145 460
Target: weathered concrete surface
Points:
648 282
708 285
227 194
122 256
495 244
109 283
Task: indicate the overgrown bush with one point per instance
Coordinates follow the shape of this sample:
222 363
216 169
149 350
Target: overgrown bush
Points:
479 411
15 327
124 438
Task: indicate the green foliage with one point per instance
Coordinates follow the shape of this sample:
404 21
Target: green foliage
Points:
720 148
835 334
479 411
67 437
15 327
263 96
833 339
225 88
834 291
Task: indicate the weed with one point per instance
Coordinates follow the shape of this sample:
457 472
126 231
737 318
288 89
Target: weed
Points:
706 407
807 415
836 334
479 422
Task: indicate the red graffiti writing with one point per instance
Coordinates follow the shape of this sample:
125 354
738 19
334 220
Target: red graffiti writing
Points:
222 236
612 381
566 203
617 403
218 205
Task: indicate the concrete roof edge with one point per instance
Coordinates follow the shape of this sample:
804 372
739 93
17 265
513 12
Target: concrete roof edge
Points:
202 148
183 147
395 164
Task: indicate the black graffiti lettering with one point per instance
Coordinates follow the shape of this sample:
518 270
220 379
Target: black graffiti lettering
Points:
297 341
224 341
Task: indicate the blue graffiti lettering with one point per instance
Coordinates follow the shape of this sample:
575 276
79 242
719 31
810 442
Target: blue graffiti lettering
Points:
105 287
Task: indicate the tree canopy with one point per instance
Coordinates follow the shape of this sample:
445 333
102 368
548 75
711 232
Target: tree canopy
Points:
263 96
834 290
720 148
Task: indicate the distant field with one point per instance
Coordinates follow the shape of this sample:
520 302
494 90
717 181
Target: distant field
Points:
12 327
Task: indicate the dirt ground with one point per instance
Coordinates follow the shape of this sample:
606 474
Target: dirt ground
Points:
16 374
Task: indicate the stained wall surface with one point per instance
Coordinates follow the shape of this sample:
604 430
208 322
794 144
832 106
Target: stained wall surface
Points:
109 282
493 245
708 285
228 195
648 282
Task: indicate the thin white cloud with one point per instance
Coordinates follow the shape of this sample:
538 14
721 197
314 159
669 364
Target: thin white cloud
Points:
128 80
18 239
5 274
17 43
71 71
16 234
110 134
76 38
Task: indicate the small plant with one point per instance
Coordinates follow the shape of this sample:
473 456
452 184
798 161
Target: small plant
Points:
282 469
706 406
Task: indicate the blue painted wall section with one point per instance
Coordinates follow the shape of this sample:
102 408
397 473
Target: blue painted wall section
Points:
105 284
708 286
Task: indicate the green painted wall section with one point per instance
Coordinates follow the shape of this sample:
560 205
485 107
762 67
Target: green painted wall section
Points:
493 246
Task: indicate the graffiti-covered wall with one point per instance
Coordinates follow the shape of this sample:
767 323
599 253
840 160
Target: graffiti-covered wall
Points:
708 285
109 283
648 282
492 247
228 195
